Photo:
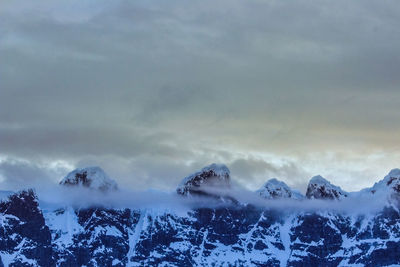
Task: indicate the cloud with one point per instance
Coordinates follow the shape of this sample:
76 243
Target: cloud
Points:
53 197
19 174
183 84
253 172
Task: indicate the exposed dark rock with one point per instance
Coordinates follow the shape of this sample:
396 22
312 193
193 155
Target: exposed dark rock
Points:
91 177
23 231
211 177
320 188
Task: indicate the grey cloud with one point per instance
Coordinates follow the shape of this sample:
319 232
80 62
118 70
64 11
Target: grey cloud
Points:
191 81
84 140
17 174
257 171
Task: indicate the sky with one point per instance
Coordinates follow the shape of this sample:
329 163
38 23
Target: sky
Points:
152 91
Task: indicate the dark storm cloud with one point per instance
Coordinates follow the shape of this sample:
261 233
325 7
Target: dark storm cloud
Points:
81 140
158 88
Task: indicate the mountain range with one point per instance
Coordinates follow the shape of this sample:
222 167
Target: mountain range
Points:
282 227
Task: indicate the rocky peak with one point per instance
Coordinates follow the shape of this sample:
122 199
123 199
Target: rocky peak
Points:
275 189
392 180
25 239
90 177
23 204
214 176
389 185
320 188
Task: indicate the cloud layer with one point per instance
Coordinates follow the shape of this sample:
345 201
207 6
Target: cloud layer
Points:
154 91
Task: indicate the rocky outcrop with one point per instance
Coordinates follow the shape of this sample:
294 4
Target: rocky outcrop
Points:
24 236
211 178
388 187
320 188
90 177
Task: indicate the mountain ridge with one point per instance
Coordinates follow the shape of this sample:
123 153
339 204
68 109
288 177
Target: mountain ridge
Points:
234 234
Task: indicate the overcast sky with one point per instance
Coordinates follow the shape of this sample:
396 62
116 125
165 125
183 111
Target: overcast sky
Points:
154 90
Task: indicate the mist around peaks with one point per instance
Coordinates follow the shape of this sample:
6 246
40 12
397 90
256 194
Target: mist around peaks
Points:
212 187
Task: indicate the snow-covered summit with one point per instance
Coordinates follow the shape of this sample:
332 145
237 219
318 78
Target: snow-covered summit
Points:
320 188
395 173
274 189
90 177
389 185
212 176
392 181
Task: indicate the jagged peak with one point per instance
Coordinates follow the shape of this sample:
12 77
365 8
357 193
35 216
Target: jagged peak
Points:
218 169
394 173
275 188
318 179
275 181
392 180
321 188
25 194
90 177
23 204
214 175
389 184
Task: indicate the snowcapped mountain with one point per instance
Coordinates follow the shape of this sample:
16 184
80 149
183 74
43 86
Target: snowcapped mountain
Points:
275 189
320 188
214 176
389 184
90 177
226 235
